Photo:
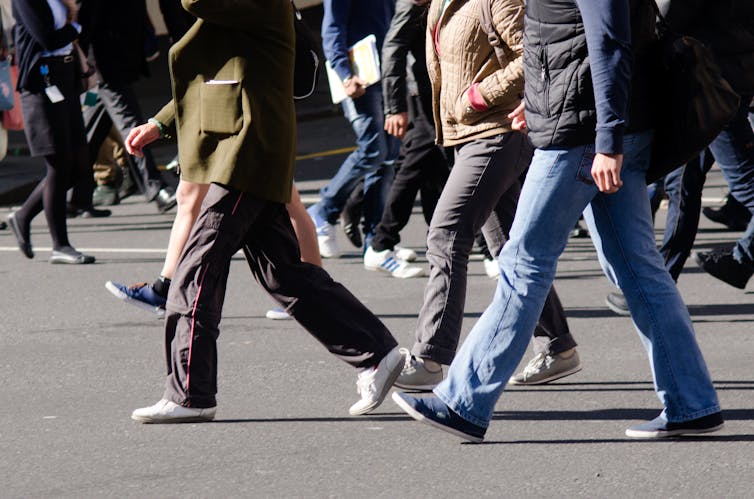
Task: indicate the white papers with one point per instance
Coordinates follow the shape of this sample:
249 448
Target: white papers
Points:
221 82
365 63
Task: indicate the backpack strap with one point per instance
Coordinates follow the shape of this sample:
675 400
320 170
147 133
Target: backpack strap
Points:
485 18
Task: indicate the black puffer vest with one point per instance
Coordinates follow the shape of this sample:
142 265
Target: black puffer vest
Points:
560 109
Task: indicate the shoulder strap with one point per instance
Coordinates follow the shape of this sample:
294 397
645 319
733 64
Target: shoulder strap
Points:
485 18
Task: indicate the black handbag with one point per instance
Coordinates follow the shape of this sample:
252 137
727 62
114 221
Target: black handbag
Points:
306 69
693 101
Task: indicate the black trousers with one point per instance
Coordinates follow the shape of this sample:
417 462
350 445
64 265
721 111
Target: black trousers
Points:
423 167
231 220
123 107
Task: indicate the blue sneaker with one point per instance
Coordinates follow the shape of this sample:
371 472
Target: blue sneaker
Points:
141 295
434 412
660 427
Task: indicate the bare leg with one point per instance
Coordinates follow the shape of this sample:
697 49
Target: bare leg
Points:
304 228
189 196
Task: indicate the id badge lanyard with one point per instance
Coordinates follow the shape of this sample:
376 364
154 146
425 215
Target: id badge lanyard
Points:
52 91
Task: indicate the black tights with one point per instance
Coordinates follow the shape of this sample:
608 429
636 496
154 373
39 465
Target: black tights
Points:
50 195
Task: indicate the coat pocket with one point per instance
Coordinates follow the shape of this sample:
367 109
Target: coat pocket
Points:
221 111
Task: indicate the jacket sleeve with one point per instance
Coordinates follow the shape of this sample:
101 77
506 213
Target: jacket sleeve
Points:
166 116
28 13
334 36
506 85
404 28
607 24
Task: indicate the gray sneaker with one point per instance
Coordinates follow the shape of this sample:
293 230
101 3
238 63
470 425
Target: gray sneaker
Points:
544 368
416 376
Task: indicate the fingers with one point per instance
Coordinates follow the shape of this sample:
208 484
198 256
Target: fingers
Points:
135 142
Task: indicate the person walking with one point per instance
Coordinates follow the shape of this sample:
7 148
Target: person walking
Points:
584 61
346 22
473 93
49 81
245 153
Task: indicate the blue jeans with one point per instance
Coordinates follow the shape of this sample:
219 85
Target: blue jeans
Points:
557 189
372 160
733 150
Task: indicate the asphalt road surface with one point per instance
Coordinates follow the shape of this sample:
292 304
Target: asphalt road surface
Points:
74 363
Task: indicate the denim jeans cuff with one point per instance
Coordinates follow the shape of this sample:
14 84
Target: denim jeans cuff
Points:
455 407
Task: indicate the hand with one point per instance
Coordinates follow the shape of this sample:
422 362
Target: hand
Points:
606 172
355 87
141 136
395 124
518 117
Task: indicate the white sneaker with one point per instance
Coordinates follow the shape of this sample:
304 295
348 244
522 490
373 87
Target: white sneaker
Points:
328 245
491 268
278 314
416 375
373 384
386 261
166 411
405 254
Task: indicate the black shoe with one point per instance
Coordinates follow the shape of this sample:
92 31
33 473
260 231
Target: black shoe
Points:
23 239
165 199
74 212
659 427
104 195
68 255
578 232
617 303
3 225
722 265
732 214
351 218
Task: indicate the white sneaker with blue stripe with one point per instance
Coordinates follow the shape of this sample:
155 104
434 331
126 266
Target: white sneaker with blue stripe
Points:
386 261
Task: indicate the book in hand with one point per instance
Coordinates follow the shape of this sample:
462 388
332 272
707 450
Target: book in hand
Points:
365 63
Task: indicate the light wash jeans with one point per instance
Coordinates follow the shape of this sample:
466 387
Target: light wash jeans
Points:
558 188
372 160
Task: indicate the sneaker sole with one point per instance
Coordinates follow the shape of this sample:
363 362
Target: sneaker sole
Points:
422 419
670 433
617 310
277 316
416 388
546 380
159 312
191 419
388 385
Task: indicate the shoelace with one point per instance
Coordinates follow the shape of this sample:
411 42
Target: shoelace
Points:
534 364
365 382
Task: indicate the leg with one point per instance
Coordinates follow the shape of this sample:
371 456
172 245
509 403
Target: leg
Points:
622 232
189 196
484 169
306 233
123 107
196 297
684 188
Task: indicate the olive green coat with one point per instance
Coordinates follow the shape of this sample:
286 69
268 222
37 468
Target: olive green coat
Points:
232 109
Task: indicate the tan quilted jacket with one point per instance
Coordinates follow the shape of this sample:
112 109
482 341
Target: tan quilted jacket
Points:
466 57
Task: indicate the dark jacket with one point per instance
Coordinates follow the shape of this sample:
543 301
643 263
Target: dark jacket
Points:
727 27
35 33
405 36
562 108
239 130
345 22
115 31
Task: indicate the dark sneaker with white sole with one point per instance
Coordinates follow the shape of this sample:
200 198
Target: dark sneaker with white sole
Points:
434 412
140 295
660 427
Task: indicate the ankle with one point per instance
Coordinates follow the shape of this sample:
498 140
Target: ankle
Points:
431 365
161 286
